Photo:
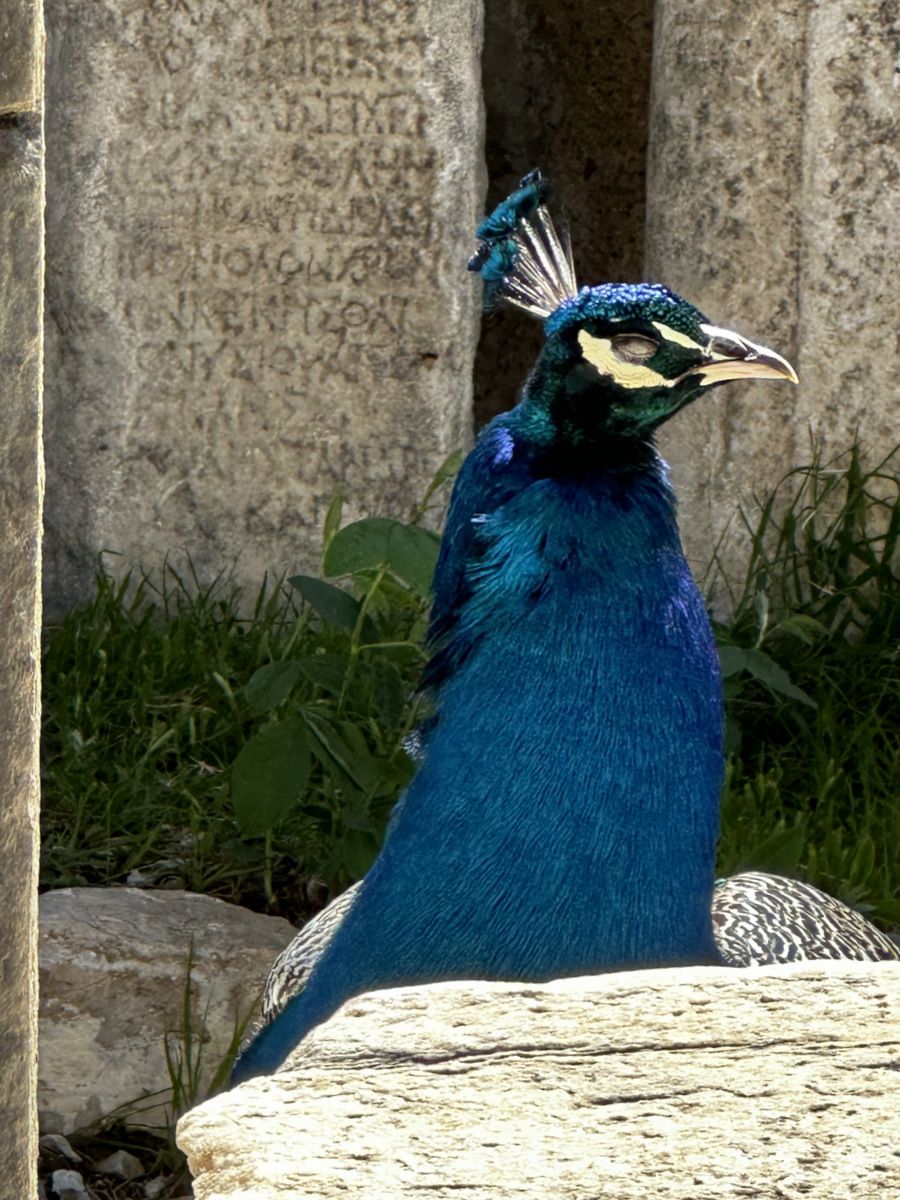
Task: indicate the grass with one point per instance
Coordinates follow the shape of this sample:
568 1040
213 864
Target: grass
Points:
814 789
145 713
157 686
252 756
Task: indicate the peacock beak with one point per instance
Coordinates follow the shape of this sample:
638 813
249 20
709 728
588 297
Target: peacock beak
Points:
730 356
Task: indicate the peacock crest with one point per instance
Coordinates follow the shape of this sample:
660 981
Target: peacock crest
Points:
521 257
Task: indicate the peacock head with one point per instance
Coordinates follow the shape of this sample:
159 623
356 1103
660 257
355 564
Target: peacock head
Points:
619 359
623 358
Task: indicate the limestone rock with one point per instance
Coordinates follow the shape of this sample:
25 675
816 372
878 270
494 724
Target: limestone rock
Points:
696 1084
121 1165
68 1185
258 222
55 1149
113 965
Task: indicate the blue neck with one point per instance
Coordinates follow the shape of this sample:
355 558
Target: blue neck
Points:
578 744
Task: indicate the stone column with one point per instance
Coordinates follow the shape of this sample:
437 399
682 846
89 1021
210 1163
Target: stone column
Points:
258 224
772 196
21 489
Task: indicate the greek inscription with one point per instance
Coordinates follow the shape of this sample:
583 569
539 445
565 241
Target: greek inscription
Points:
261 273
367 12
293 216
349 336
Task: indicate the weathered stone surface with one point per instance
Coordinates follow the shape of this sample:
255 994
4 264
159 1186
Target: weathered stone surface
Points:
21 307
849 356
773 184
566 89
21 57
701 1083
113 969
258 224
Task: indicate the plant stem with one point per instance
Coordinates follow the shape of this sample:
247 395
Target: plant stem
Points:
356 637
267 871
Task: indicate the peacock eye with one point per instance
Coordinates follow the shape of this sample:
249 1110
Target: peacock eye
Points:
633 348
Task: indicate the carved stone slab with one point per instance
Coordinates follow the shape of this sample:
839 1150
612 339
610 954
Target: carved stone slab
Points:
695 1084
258 224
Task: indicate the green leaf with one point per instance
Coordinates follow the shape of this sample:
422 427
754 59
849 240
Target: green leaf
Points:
733 737
805 629
357 852
332 519
269 775
413 554
344 746
409 551
734 659
333 604
448 470
360 546
389 693
731 660
394 775
781 850
326 671
863 861
357 815
767 671
270 685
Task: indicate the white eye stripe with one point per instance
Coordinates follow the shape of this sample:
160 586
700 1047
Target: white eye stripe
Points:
675 335
600 354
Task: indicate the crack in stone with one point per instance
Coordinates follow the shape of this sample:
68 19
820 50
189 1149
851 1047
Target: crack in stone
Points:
388 1059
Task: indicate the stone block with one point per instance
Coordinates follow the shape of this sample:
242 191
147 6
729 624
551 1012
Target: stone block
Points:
704 1082
21 57
258 224
21 307
772 189
113 966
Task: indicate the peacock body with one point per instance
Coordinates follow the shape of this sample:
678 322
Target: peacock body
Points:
759 920
564 815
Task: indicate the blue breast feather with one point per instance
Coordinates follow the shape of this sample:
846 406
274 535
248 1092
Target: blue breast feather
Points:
565 816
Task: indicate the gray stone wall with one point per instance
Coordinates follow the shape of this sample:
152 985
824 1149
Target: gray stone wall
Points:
258 223
258 218
21 292
773 189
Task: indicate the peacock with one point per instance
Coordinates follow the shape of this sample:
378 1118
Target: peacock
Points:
758 920
564 813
